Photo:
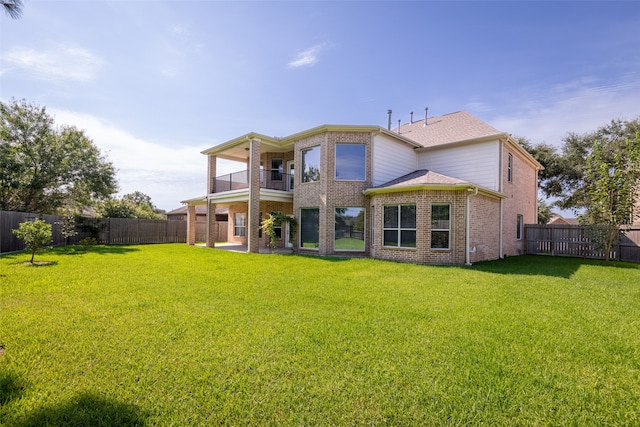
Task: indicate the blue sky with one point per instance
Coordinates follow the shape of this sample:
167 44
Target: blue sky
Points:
153 83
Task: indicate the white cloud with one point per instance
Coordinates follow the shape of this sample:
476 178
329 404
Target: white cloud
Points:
307 57
57 62
547 115
167 173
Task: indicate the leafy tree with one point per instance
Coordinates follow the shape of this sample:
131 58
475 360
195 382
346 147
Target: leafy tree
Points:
35 235
67 228
564 176
45 168
612 186
13 8
132 205
544 212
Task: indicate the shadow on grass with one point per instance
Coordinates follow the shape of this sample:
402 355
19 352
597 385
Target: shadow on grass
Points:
85 409
542 265
11 388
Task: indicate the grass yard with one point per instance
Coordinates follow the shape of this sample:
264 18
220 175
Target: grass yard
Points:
178 335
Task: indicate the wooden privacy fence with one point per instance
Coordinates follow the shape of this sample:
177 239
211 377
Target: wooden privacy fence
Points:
575 241
105 230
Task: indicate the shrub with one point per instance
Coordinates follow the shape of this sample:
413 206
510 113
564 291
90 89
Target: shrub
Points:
35 235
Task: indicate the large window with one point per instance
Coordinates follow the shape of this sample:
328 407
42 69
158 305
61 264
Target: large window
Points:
349 229
400 226
440 226
240 224
309 228
311 165
351 162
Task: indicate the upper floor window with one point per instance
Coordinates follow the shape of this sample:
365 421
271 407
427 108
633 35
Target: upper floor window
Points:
351 162
400 226
510 168
310 164
276 169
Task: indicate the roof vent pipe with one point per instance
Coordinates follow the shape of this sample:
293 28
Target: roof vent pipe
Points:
389 121
426 110
411 120
398 126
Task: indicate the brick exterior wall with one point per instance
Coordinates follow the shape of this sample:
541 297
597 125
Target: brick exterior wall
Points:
423 254
484 227
328 193
191 225
521 199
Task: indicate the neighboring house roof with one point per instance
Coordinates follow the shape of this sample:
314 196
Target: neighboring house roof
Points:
424 180
558 219
449 128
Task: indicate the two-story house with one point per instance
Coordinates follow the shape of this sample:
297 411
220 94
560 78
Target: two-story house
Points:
443 190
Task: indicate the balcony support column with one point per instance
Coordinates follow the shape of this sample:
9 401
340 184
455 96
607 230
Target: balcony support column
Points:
211 175
253 214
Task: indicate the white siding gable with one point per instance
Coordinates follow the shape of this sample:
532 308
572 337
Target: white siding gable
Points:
478 163
391 159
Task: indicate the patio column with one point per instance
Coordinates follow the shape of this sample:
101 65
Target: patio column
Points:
253 244
211 225
191 225
211 175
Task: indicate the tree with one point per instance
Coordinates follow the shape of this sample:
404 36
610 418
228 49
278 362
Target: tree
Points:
132 205
35 235
563 178
67 228
275 220
13 8
611 186
45 168
544 212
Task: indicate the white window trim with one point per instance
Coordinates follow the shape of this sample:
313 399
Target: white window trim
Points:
237 227
364 232
335 154
398 228
448 230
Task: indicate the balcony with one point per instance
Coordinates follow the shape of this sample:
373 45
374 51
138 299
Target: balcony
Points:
269 179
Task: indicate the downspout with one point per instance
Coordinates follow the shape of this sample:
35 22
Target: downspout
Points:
501 184
468 228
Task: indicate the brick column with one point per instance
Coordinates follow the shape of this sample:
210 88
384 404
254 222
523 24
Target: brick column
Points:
191 225
253 243
211 225
211 175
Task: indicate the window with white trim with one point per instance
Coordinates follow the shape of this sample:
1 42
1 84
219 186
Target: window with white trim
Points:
349 229
309 228
399 226
240 224
351 162
510 168
440 226
310 165
520 227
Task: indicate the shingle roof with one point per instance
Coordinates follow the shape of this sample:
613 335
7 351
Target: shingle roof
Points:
422 177
446 129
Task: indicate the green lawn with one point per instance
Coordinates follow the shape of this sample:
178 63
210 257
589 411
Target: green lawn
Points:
179 335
